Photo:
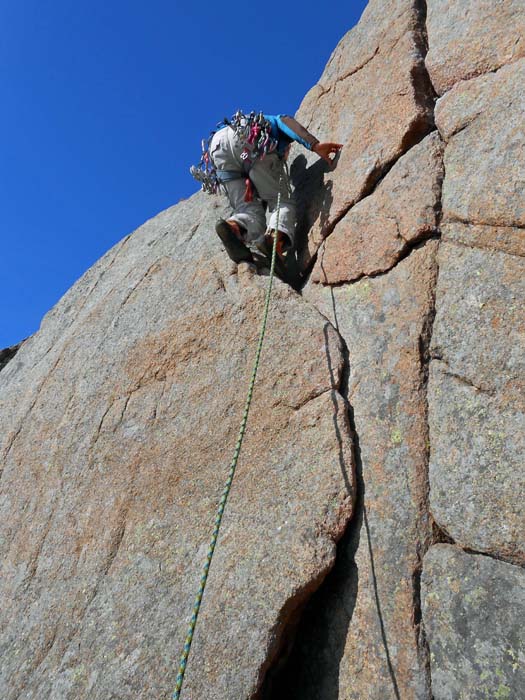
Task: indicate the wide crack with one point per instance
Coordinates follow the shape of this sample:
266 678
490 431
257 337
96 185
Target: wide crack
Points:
327 615
281 677
426 523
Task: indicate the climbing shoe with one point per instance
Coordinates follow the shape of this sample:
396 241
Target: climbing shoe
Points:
235 248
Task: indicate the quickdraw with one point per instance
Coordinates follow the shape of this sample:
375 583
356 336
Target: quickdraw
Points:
205 172
254 130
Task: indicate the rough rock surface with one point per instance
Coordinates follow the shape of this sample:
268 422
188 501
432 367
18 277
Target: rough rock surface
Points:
477 400
482 123
380 229
473 609
472 37
118 422
370 645
373 97
507 239
118 418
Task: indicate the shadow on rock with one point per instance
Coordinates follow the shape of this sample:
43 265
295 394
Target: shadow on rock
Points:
313 197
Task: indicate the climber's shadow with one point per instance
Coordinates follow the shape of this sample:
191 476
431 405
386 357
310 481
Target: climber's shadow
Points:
313 197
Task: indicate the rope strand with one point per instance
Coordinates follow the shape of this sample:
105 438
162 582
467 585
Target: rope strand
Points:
227 487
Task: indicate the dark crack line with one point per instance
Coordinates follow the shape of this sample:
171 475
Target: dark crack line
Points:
479 246
424 515
445 368
311 397
473 222
424 343
440 535
518 561
377 599
283 636
276 664
350 73
415 244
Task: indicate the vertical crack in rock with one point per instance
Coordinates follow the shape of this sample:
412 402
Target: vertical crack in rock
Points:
279 672
422 125
339 590
426 522
285 630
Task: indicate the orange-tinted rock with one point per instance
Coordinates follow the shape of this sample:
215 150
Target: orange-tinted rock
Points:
378 230
374 97
470 37
118 422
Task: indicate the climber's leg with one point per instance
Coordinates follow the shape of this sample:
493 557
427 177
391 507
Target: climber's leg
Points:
225 149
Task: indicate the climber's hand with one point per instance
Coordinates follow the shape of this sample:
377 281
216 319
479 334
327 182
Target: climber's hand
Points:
327 151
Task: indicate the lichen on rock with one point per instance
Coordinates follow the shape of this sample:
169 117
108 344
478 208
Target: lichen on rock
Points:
372 546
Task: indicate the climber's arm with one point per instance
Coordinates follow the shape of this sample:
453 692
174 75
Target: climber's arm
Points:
297 132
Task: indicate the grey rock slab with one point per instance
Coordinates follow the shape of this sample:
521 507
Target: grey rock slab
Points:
479 329
118 420
473 610
506 239
476 466
482 123
476 400
472 37
359 638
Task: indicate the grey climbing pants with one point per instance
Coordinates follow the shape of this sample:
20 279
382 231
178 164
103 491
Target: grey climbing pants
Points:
225 152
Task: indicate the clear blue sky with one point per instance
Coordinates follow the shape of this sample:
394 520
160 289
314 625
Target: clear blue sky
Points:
104 106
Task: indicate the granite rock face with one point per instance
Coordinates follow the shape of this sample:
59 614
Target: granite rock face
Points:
474 608
482 123
372 643
380 229
477 400
472 37
374 97
118 421
450 409
507 239
401 361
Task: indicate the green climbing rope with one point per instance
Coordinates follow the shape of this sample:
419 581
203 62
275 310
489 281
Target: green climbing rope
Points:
226 491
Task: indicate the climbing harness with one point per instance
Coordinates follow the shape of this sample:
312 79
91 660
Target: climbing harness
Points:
233 465
254 132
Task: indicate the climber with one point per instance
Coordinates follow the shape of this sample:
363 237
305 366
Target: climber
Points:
246 156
